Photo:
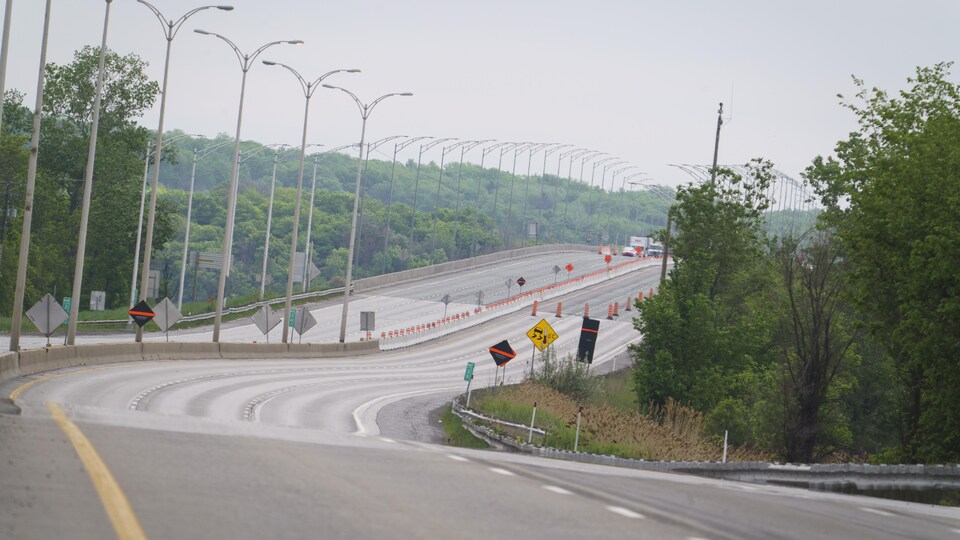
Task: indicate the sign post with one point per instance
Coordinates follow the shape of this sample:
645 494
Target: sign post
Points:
47 315
166 315
542 335
67 302
468 376
556 271
141 313
502 353
446 302
303 320
588 340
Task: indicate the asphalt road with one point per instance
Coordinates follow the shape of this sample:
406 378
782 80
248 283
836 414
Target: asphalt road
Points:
342 448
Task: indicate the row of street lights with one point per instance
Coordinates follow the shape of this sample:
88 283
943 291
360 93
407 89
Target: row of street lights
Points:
170 28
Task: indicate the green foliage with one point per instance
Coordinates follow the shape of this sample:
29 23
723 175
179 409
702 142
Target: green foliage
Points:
457 435
708 322
65 129
892 194
567 376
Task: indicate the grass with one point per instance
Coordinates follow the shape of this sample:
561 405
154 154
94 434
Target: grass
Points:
611 423
457 435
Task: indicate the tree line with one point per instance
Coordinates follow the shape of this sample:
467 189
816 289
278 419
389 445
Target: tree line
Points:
838 341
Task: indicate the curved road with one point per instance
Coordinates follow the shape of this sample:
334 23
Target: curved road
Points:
311 448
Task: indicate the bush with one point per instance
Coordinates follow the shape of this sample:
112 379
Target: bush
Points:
566 376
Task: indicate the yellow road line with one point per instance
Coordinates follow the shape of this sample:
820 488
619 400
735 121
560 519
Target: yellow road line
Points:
115 503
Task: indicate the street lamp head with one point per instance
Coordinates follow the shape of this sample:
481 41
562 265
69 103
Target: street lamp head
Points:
204 32
269 63
352 70
296 42
225 8
405 94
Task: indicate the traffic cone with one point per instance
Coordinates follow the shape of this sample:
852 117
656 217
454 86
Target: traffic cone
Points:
640 296
559 309
616 309
535 304
610 311
586 310
628 302
651 292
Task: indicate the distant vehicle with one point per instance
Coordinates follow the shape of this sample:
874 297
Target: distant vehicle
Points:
655 252
629 252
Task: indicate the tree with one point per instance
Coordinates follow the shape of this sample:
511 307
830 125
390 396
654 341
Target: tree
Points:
815 336
708 323
891 193
68 98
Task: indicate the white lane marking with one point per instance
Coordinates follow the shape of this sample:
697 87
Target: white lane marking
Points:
559 490
387 439
877 512
363 430
624 512
457 458
504 472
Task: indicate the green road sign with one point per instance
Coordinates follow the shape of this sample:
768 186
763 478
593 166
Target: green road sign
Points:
293 317
468 375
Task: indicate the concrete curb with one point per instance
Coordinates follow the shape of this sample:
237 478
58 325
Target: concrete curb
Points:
51 358
861 475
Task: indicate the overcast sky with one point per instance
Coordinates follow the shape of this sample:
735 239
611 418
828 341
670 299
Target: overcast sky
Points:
640 80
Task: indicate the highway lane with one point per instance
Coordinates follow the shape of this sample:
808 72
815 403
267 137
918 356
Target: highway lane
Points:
396 306
298 449
196 478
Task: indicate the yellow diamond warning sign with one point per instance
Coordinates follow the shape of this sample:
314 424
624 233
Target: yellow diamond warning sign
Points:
542 334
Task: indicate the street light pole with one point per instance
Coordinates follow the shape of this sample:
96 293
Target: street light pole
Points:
317 158
476 208
308 89
416 185
436 201
543 179
266 241
17 315
393 169
464 148
246 62
143 200
365 110
363 184
526 188
197 155
571 154
4 49
513 183
87 185
170 29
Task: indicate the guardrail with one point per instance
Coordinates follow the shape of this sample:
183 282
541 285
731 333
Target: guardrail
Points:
233 310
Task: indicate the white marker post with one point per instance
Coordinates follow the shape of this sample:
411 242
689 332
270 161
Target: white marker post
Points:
533 420
576 439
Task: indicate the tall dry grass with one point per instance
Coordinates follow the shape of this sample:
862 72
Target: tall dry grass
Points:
668 432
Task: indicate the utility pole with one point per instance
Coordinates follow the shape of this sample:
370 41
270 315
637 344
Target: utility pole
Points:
716 146
666 248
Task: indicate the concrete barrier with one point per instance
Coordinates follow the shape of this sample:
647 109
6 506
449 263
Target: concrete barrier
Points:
366 284
47 359
252 350
153 350
34 361
8 366
107 353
